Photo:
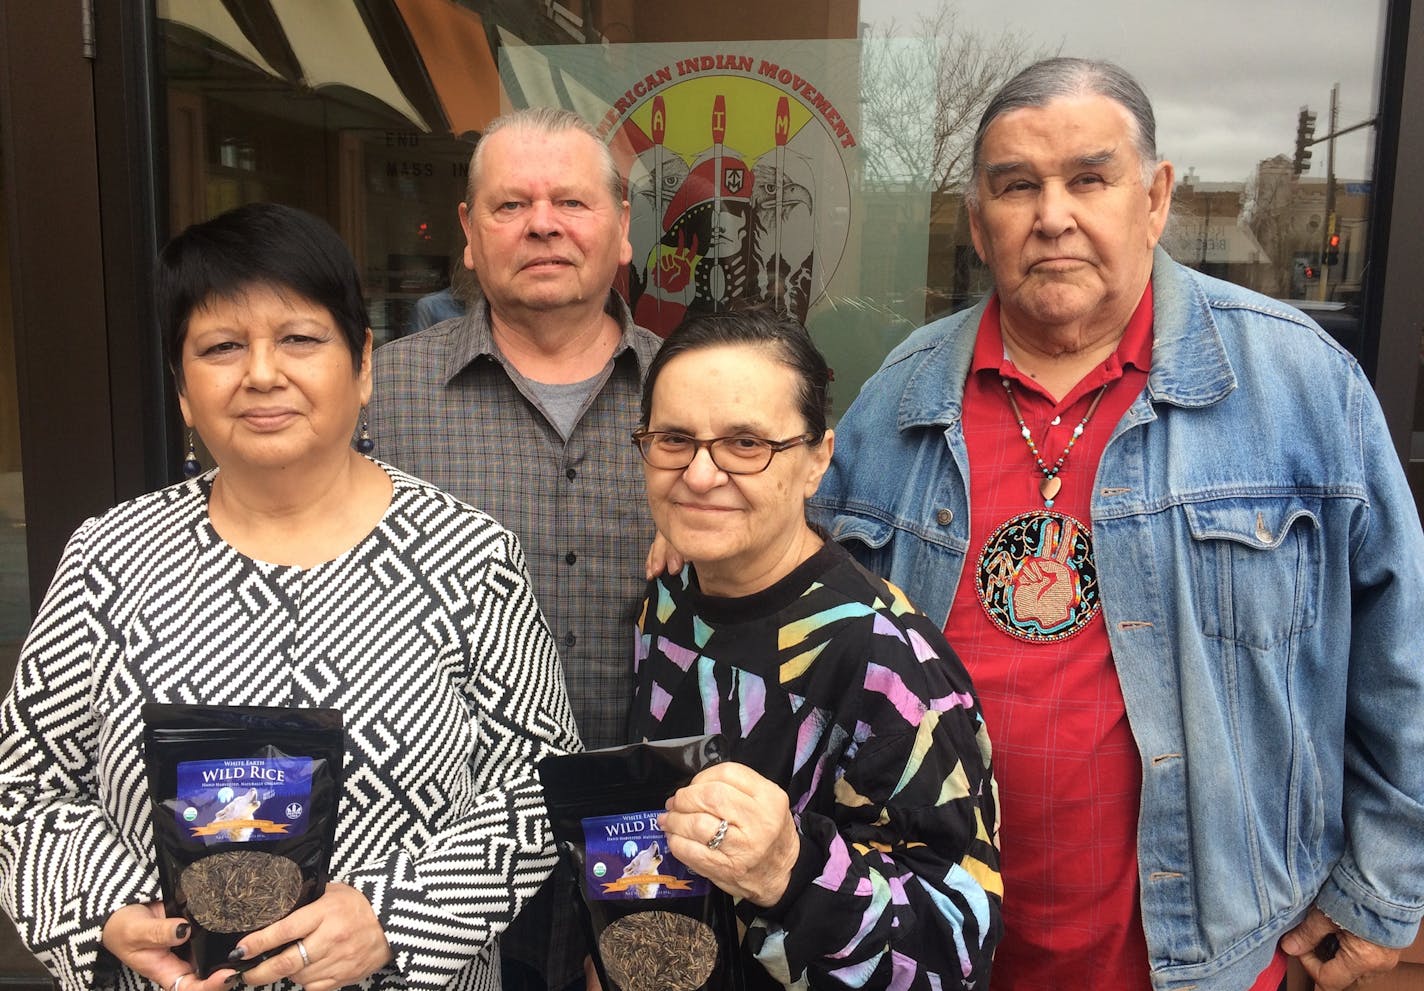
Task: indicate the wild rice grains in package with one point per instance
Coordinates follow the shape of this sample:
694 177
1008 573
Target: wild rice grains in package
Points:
653 924
244 816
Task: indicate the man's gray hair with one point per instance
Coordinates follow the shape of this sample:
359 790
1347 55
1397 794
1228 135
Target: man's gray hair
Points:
546 121
1060 78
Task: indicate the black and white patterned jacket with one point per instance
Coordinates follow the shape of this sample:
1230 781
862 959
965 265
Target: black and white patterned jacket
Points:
425 635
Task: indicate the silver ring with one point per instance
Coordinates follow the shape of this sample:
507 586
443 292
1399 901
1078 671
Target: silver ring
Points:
302 950
718 836
177 981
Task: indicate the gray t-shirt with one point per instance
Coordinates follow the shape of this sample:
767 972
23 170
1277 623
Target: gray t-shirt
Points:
562 402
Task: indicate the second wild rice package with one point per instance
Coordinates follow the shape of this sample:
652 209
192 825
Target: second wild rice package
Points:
653 924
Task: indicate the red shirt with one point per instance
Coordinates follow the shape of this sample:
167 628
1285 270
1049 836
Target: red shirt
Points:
1067 766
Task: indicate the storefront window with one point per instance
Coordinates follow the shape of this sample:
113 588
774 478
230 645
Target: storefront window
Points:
815 159
313 105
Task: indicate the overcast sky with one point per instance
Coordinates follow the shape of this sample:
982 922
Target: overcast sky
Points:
1227 78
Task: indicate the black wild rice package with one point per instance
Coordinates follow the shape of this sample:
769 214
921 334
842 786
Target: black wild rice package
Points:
653 924
244 816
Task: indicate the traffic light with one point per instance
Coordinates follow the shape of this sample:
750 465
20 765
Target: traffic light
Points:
1332 250
1310 273
1304 138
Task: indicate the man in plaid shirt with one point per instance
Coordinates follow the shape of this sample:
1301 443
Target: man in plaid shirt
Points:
523 407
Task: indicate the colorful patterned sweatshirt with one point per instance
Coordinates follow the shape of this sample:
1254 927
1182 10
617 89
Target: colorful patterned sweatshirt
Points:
833 685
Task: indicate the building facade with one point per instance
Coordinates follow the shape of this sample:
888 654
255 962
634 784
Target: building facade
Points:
821 145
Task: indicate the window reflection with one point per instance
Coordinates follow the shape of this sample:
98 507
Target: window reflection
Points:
368 122
1227 104
367 113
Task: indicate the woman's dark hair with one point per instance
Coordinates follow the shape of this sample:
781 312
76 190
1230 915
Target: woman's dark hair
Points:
758 326
257 245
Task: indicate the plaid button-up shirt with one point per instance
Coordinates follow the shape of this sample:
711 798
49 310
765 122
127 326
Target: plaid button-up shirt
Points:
445 409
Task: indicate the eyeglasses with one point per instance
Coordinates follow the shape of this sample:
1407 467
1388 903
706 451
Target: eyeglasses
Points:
743 454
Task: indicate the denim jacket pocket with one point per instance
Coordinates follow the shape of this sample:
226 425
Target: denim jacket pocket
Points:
1256 566
867 539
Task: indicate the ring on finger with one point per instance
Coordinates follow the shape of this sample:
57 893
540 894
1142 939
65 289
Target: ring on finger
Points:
177 981
302 952
718 836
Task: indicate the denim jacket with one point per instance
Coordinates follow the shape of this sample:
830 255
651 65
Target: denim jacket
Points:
1262 575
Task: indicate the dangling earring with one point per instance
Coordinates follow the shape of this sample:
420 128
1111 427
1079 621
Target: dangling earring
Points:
192 467
364 443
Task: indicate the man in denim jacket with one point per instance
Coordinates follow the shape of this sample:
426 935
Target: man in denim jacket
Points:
1162 521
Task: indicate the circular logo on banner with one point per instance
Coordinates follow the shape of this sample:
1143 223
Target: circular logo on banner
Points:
1036 578
738 191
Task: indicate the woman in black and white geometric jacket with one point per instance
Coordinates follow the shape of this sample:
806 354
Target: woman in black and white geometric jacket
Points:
298 572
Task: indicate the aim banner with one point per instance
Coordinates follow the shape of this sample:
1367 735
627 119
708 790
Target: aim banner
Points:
739 164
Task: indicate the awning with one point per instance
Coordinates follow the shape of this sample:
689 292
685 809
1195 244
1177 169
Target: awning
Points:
212 19
427 60
455 49
334 47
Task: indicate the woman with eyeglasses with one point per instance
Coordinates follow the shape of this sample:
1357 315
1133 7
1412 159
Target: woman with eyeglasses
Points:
855 821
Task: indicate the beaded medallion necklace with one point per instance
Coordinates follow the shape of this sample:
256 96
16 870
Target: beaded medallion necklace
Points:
1035 576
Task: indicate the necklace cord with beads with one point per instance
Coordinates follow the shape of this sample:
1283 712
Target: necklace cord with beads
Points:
1048 488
